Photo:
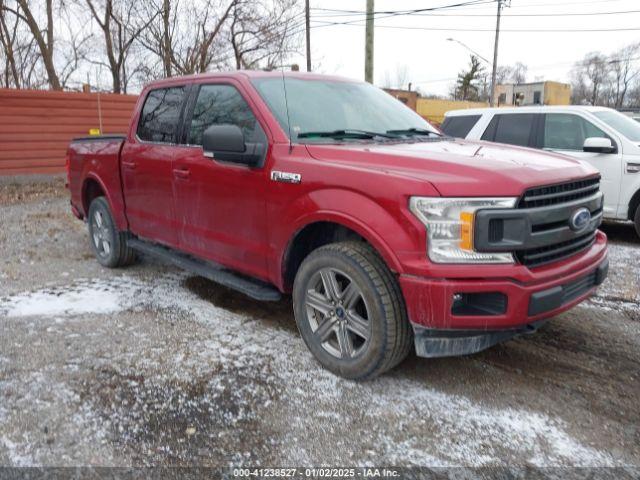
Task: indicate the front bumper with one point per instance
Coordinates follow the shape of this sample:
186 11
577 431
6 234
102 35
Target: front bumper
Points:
430 302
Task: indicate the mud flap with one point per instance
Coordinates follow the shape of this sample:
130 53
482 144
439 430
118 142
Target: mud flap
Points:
433 343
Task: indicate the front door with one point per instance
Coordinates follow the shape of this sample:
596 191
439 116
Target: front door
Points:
147 166
565 133
220 206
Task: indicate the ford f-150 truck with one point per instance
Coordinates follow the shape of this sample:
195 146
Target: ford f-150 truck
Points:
387 234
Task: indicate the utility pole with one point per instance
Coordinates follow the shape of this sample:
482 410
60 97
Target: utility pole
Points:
307 21
495 57
368 44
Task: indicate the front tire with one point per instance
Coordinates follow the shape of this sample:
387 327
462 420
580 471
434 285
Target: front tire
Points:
109 245
350 311
636 220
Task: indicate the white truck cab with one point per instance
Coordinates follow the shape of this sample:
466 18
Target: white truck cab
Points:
603 137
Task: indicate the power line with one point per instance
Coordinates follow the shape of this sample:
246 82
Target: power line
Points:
441 29
411 11
395 13
578 14
555 4
484 5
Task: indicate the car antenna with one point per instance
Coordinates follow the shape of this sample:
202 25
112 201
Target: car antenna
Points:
286 104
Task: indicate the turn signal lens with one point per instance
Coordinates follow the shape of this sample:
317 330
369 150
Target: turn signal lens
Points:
466 231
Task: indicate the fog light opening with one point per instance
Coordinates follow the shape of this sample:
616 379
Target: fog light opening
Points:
478 303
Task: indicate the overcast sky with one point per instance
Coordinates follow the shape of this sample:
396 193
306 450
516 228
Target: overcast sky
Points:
433 62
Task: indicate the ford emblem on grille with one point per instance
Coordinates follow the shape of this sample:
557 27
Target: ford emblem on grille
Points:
580 219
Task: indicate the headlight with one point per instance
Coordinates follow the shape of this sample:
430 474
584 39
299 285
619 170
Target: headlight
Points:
450 222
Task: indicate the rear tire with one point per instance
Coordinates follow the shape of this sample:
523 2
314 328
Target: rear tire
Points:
350 311
636 220
109 245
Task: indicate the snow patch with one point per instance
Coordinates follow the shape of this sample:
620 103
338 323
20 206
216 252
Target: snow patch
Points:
97 297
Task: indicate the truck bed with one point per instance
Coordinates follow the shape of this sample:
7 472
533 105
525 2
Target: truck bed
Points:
94 162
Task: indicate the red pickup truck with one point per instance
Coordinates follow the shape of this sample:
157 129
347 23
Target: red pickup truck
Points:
387 233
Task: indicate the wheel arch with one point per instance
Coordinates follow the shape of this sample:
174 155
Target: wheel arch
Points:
634 203
317 232
93 187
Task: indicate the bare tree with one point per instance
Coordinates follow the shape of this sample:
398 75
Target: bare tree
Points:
189 39
44 37
519 73
121 26
157 39
21 66
73 45
8 40
264 32
142 39
41 19
589 79
516 73
503 74
623 73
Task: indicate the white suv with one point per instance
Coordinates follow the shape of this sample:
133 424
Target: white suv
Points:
603 137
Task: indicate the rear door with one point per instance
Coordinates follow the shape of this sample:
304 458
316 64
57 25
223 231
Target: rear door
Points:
513 128
459 125
220 205
147 165
566 132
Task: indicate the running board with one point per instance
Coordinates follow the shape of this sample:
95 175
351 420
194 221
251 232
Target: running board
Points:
253 288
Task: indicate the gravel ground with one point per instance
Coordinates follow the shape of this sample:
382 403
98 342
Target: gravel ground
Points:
151 366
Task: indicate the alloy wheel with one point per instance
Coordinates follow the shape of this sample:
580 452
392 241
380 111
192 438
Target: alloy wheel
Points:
101 234
337 313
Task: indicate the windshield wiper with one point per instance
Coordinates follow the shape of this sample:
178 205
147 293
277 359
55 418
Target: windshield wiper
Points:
347 133
413 131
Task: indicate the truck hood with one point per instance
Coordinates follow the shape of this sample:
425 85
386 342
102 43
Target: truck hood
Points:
461 167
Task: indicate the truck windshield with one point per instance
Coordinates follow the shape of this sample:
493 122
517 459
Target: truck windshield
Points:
621 123
326 111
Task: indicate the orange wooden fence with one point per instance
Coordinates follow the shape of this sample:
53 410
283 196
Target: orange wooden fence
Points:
36 126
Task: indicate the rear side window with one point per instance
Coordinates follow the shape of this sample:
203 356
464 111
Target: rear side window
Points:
161 115
459 126
514 129
220 105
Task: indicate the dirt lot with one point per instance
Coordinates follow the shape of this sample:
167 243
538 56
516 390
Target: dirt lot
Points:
152 366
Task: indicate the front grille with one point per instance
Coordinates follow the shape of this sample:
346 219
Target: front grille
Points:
551 253
559 193
541 229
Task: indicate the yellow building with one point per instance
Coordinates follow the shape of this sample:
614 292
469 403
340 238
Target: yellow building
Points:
433 109
538 93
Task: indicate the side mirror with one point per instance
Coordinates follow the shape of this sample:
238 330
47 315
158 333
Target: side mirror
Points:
226 144
598 145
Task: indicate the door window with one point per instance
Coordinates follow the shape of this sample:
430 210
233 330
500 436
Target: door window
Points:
222 105
564 131
459 126
161 115
514 129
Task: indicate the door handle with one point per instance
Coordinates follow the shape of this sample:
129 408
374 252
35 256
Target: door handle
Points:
181 173
129 165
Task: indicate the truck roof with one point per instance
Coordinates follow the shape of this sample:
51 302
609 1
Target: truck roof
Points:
249 74
529 109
